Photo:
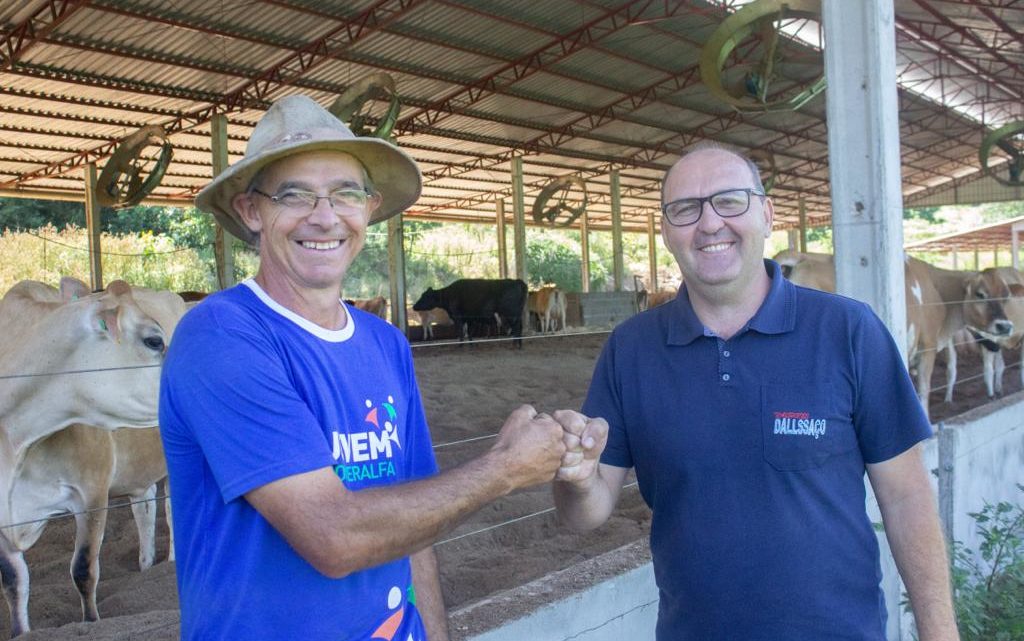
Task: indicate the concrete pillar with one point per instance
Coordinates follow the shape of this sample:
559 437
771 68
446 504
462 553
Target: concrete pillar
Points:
995 257
955 260
618 266
396 272
977 259
222 241
93 223
803 224
585 252
864 157
1015 232
793 237
499 214
519 214
946 469
652 251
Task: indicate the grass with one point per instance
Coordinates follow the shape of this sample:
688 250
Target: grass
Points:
144 259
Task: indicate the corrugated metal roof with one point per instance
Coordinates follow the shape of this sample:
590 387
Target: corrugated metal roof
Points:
579 86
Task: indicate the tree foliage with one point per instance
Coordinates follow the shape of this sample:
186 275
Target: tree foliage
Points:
929 214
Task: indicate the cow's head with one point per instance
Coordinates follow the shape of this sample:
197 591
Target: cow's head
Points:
427 301
985 298
119 348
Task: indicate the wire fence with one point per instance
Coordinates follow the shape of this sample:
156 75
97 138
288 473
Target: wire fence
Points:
419 345
145 254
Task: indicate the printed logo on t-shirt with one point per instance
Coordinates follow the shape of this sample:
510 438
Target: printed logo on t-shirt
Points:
388 630
799 424
369 454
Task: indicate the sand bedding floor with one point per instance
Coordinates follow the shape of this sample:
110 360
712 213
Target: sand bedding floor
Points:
468 392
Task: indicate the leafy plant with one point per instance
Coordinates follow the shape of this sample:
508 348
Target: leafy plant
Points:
989 592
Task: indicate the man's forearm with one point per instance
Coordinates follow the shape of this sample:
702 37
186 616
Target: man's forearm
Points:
915 538
339 531
429 599
587 505
382 524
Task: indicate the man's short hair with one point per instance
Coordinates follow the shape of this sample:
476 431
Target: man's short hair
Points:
712 145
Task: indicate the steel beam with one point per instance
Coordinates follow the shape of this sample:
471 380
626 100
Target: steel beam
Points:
18 40
254 93
570 43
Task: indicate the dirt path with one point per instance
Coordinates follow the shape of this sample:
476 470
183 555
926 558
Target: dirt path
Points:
468 392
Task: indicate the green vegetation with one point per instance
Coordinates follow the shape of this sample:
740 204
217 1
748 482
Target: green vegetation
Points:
172 248
988 586
990 591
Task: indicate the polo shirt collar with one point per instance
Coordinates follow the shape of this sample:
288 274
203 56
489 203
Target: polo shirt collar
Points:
777 314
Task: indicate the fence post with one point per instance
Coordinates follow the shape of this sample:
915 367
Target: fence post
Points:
947 457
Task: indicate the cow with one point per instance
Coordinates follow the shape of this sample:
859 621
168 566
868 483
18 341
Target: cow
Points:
660 297
77 471
928 328
994 316
428 319
73 358
192 296
378 305
480 301
548 304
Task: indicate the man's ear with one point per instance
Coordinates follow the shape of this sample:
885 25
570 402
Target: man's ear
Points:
769 216
373 203
246 209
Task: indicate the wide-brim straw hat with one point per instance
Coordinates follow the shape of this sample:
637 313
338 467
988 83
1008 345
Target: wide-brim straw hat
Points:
297 124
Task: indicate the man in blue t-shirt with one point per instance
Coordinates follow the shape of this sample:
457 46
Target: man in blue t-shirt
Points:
750 409
305 492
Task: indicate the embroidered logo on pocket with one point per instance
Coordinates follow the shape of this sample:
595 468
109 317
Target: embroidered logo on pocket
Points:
799 424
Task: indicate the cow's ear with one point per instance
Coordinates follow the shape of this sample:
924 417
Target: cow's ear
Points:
72 289
109 311
1016 289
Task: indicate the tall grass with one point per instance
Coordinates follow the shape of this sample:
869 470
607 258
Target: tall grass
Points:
144 259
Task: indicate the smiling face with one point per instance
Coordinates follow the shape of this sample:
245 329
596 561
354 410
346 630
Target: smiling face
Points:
717 253
301 250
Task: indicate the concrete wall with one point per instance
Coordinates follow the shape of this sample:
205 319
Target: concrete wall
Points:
986 451
606 308
607 598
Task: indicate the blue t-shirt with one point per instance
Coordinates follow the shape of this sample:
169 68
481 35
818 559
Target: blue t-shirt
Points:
751 453
252 393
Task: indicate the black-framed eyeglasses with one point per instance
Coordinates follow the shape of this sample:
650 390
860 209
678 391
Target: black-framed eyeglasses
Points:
301 201
727 204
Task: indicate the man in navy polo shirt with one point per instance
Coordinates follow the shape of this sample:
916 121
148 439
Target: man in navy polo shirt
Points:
750 409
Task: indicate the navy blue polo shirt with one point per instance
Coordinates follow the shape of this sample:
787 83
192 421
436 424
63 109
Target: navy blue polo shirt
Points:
751 452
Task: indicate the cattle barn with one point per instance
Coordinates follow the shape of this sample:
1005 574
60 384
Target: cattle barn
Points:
528 114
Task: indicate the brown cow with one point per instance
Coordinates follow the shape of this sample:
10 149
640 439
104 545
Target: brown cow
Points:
926 313
548 304
660 297
378 305
994 315
44 469
428 319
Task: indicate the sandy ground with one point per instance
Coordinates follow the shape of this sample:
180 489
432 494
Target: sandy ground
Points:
468 391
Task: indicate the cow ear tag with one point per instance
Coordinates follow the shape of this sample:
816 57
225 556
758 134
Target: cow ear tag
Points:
103 325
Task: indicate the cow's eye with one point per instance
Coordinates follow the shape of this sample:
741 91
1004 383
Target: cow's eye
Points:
980 294
155 343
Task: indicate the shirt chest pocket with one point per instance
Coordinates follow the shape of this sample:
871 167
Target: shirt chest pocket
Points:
800 426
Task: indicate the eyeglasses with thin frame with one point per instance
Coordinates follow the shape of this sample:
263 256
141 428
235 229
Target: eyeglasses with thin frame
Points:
727 204
304 202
